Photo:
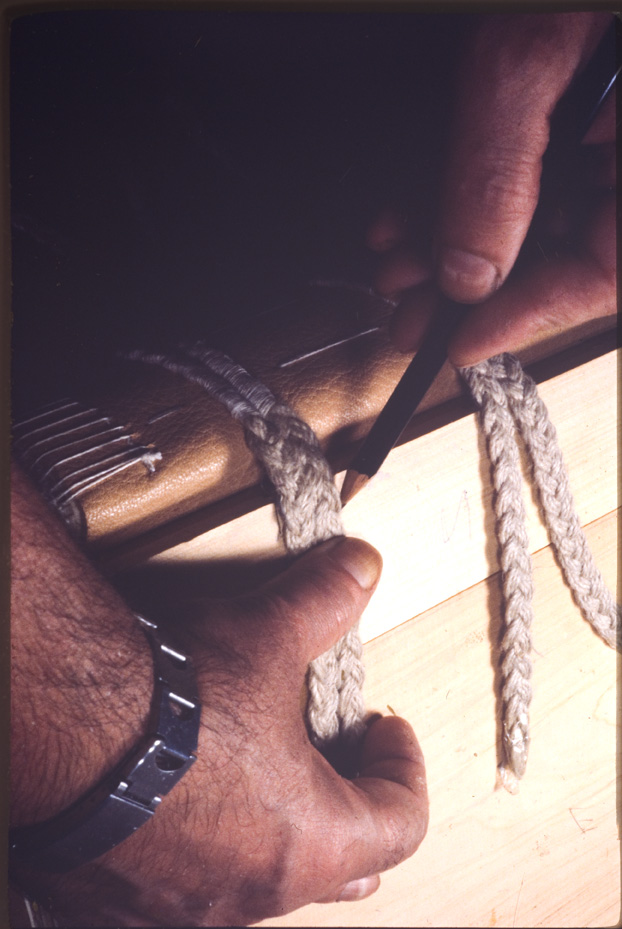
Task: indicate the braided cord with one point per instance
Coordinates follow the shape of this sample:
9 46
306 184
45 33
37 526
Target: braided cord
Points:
308 511
509 400
588 588
486 382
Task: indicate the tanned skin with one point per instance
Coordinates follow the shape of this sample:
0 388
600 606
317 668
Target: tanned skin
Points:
261 824
515 69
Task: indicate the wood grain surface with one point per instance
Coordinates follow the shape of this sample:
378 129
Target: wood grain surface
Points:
548 856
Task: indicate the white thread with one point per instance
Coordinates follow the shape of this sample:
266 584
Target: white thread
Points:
60 435
79 443
50 409
148 457
123 439
79 457
38 917
312 353
51 425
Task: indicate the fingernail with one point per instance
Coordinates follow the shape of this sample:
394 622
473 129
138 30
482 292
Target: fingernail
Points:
358 890
358 558
467 277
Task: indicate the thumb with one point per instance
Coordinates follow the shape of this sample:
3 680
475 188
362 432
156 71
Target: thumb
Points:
517 68
321 596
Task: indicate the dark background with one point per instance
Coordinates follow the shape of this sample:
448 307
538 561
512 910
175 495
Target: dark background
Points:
172 171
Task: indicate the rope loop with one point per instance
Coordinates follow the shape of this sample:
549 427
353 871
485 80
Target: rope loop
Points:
308 511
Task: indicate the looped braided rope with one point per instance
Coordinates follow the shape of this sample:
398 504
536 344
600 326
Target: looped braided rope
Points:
308 512
509 401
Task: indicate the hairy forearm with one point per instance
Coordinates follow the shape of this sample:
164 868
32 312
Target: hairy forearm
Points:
81 670
260 824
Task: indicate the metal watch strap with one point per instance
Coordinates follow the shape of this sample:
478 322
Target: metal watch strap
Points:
130 795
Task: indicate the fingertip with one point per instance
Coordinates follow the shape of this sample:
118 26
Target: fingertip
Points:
358 558
400 269
359 889
411 319
467 277
387 230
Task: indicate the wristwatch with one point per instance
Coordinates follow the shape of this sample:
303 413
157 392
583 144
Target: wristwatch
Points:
129 796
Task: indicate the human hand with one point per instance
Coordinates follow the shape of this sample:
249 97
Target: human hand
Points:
516 69
261 824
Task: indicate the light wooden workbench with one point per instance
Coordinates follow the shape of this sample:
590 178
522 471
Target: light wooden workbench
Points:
548 856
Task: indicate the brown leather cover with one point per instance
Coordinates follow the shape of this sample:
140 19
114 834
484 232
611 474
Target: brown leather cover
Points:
326 352
198 450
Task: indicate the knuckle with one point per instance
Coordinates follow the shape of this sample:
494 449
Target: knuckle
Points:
503 188
326 599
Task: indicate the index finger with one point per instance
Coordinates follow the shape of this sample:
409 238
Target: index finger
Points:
516 69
